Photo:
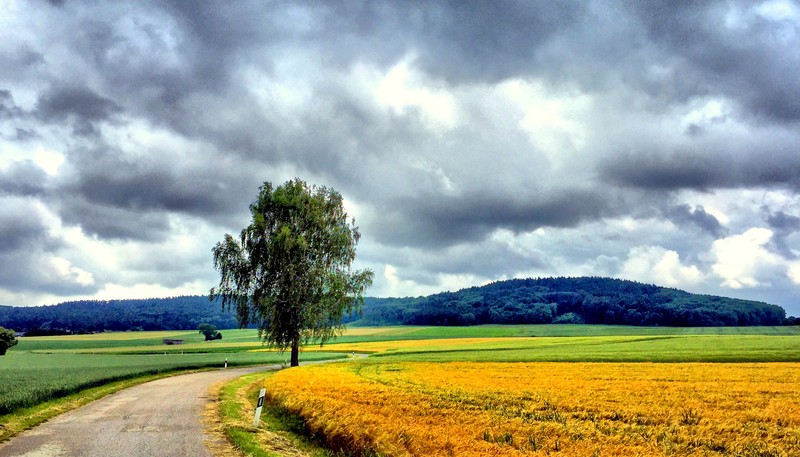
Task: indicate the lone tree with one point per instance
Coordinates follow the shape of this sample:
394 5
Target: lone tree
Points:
289 271
7 339
209 331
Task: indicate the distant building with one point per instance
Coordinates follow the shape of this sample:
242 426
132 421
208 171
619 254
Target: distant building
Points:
169 341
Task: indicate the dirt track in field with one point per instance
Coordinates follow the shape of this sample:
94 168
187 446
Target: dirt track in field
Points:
158 418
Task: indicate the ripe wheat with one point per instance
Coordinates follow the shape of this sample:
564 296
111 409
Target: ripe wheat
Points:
583 409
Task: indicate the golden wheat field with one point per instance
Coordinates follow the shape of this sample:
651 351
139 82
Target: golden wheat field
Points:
569 409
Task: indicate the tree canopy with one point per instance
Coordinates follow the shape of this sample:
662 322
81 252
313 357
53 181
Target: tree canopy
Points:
209 331
289 270
7 339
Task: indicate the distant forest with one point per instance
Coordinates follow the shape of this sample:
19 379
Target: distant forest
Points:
90 316
587 300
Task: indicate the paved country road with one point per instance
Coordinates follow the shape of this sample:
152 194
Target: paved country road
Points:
158 418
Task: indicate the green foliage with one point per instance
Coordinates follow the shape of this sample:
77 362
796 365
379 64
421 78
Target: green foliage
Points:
289 270
570 300
569 318
209 332
7 339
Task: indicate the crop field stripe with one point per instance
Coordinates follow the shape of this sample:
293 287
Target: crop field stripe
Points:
133 341
690 348
466 408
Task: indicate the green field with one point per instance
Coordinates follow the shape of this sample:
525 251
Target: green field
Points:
30 379
41 368
247 340
673 349
493 331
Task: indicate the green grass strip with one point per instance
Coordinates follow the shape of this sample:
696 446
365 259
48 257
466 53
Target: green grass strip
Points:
278 431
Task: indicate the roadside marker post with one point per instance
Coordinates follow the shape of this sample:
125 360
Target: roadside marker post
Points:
260 405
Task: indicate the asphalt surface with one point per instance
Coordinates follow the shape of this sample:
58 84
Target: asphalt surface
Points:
158 418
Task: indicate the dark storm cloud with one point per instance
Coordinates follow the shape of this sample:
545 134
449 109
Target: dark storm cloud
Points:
25 248
489 41
454 39
27 271
25 135
776 165
143 187
489 259
784 222
466 42
227 31
80 102
19 61
110 177
179 110
783 226
193 48
657 172
435 220
114 195
748 59
22 227
23 178
78 105
684 215
108 222
8 109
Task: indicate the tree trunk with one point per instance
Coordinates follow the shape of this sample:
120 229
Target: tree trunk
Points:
295 353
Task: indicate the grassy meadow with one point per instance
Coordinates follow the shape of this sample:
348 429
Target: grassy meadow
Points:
247 339
30 379
41 373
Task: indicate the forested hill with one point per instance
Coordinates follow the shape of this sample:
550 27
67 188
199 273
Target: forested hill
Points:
588 300
175 313
517 301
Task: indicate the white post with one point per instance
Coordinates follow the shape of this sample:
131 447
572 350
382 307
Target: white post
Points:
258 408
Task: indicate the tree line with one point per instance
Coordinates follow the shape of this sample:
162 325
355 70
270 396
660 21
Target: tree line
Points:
91 316
585 300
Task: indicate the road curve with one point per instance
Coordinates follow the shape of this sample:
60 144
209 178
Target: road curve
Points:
158 418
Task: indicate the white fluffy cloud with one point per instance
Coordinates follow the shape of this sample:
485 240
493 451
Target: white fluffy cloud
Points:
62 270
794 272
654 264
743 260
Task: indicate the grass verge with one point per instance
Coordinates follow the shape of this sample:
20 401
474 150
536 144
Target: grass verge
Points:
279 433
23 419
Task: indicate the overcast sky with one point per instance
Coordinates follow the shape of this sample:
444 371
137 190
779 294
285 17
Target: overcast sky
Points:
472 141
